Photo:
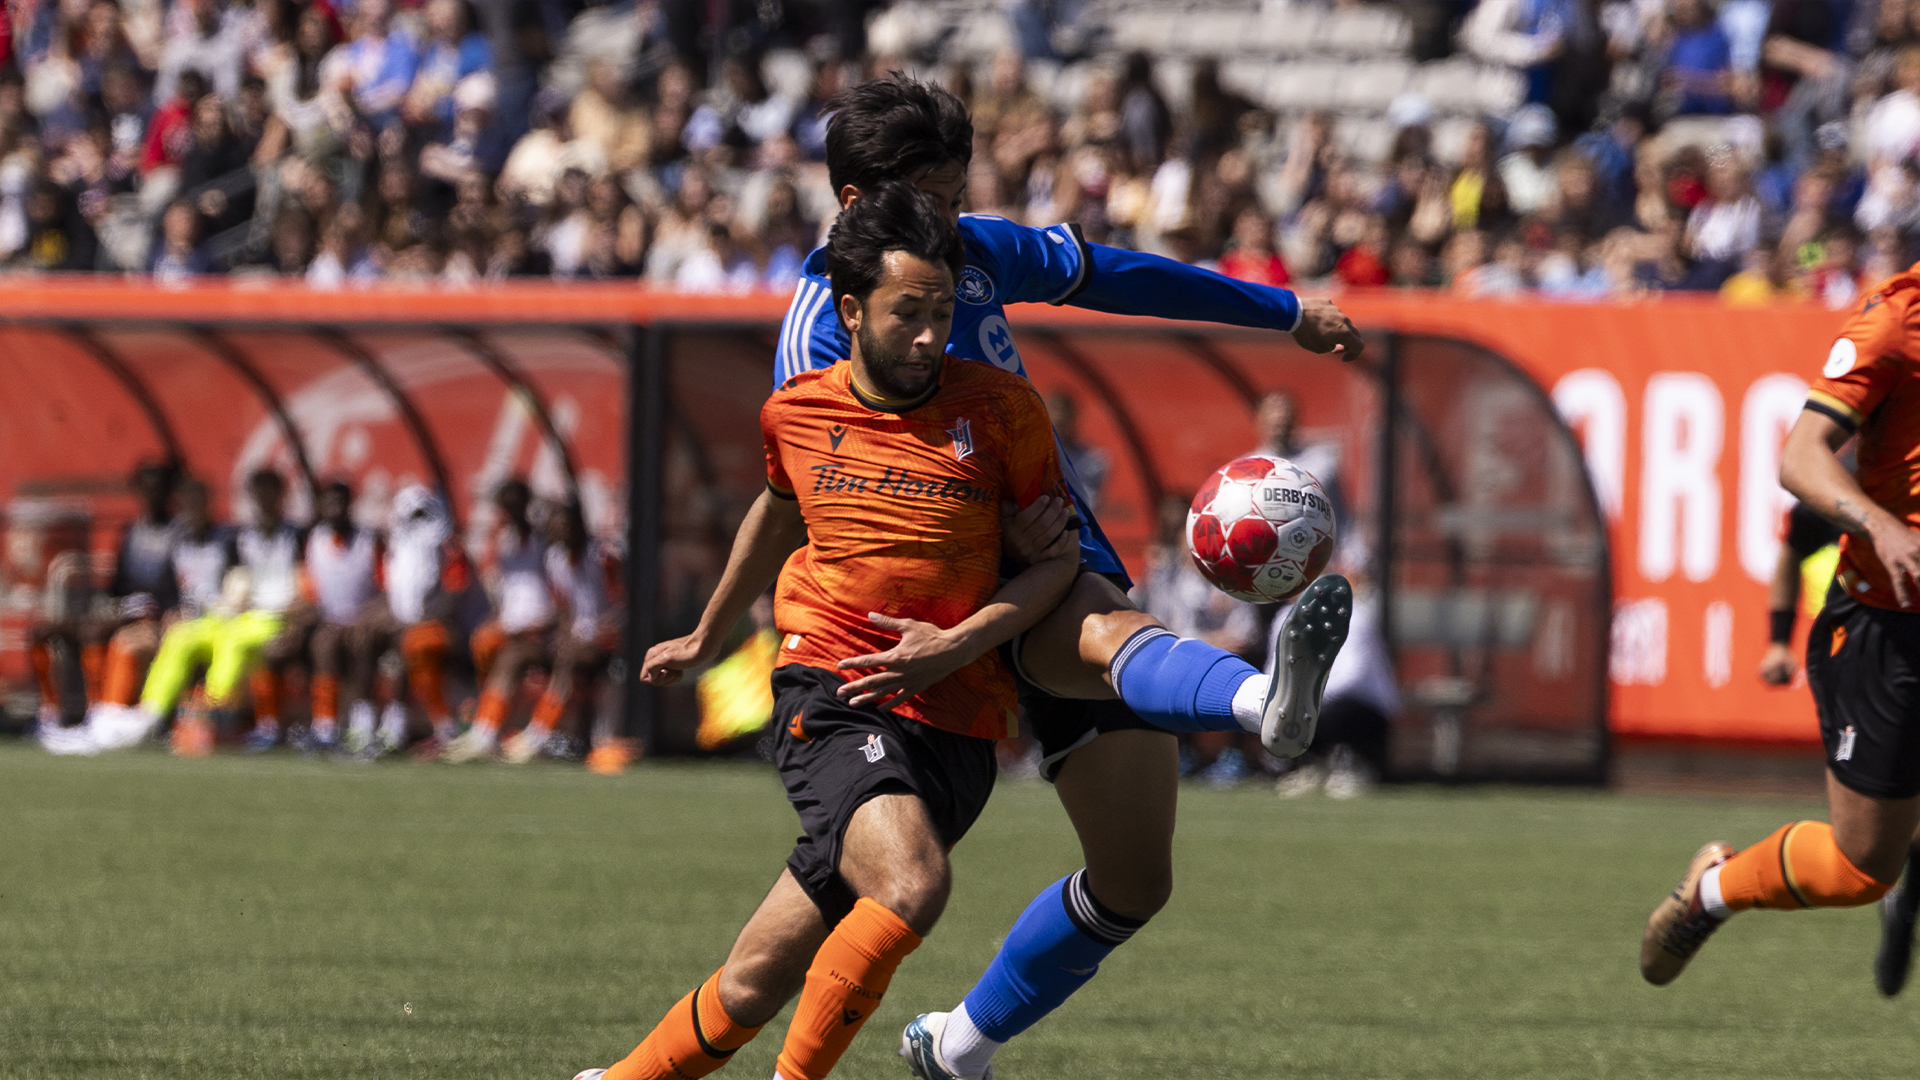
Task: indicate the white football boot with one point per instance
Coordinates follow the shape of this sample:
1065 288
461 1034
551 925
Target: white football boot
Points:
590 1074
1303 652
920 1045
119 727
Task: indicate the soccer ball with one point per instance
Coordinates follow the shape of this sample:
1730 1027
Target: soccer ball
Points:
1261 529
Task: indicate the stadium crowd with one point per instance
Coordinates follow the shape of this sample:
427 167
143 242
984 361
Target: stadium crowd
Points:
1763 148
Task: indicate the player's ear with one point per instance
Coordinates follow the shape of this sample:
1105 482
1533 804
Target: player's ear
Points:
850 312
848 195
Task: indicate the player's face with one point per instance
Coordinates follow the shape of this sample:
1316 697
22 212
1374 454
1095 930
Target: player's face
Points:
333 506
902 328
193 507
948 186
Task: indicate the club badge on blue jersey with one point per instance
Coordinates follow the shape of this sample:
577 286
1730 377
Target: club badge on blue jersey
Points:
975 286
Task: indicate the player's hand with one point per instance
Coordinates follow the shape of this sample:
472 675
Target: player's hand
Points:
1778 665
1325 329
1033 534
924 656
1898 548
668 661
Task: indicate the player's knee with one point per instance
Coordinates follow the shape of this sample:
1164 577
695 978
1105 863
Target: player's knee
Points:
917 892
1135 892
754 988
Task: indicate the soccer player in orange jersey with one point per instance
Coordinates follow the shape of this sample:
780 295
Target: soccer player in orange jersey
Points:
1863 660
885 478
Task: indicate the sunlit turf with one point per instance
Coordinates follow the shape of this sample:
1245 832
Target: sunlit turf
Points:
280 918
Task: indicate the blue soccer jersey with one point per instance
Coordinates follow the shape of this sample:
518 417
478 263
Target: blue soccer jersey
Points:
1009 263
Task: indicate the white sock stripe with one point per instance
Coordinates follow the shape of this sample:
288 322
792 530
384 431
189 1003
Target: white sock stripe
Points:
1132 645
1086 915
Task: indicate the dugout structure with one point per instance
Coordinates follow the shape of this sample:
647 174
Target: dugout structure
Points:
1491 568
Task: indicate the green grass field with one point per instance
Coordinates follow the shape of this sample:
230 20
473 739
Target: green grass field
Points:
278 918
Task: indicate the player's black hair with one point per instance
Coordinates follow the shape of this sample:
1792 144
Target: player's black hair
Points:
894 216
336 487
269 477
892 127
513 487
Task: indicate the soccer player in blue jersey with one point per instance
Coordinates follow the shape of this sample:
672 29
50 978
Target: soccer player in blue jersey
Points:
1103 685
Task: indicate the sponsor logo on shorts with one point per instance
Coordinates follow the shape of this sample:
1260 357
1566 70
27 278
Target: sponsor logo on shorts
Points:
974 286
794 729
874 750
1844 752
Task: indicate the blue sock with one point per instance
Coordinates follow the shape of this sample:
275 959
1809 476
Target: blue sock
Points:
1053 949
1178 684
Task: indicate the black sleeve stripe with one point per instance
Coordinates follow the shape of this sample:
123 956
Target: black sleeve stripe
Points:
1833 414
1086 267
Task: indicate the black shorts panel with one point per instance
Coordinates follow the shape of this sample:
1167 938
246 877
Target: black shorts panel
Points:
1863 665
1063 725
834 757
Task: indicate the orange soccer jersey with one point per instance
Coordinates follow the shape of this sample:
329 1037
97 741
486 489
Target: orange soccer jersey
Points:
902 505
1871 383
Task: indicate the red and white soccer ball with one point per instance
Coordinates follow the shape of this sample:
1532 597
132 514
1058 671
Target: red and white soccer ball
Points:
1261 529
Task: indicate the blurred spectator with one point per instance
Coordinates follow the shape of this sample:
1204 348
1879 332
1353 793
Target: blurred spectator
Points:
1089 463
1526 169
1252 257
1698 73
178 255
1724 226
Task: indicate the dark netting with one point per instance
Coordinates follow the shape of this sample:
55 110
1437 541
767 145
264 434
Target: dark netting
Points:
1500 590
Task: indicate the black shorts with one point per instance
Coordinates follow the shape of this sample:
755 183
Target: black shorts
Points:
833 757
1863 664
1063 725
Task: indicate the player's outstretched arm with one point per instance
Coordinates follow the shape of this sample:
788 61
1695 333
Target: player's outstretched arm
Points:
1135 283
926 653
773 528
1810 469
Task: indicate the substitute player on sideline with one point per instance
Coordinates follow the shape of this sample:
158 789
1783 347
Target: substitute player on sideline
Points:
1863 656
1104 738
885 477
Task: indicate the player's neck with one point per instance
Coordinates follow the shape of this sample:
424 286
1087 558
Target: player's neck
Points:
863 391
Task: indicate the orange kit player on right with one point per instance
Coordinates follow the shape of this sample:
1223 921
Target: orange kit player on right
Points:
1863 661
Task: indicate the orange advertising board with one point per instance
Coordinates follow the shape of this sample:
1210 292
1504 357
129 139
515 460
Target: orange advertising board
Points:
1680 406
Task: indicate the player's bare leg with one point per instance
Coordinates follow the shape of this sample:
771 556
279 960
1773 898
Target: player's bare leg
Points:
1898 912
1096 632
1851 862
894 860
1120 790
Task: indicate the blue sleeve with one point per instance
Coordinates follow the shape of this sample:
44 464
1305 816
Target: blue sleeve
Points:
1027 265
811 335
1134 283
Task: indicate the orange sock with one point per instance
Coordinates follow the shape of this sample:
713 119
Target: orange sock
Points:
93 662
1799 866
122 683
549 709
849 974
424 648
695 1038
492 710
326 697
266 694
42 659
